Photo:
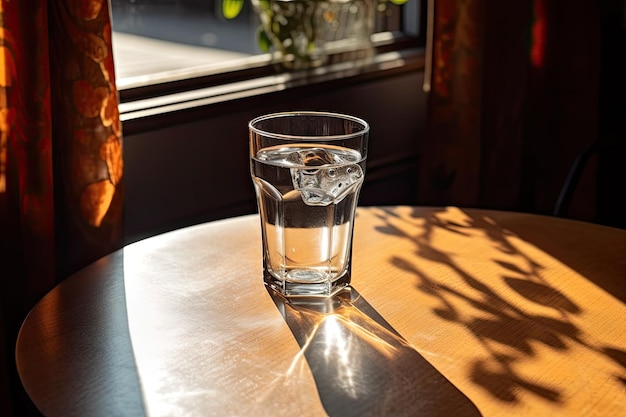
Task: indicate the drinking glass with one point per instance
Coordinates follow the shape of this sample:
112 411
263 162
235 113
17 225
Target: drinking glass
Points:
307 169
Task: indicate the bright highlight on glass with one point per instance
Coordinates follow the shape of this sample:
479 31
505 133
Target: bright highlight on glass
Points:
307 169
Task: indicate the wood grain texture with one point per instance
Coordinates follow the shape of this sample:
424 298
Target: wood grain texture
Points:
510 307
518 314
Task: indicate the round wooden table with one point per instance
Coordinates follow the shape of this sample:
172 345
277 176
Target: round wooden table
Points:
451 312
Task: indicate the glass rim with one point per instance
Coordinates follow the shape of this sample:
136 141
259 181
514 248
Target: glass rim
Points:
284 136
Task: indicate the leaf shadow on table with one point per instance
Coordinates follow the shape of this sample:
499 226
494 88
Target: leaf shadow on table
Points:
495 320
362 366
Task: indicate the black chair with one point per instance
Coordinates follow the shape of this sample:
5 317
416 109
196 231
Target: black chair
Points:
610 178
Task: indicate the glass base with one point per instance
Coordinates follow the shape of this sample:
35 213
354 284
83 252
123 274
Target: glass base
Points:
314 289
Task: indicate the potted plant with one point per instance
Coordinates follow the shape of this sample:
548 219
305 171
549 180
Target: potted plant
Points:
301 33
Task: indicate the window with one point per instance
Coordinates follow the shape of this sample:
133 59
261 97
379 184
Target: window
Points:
185 106
164 46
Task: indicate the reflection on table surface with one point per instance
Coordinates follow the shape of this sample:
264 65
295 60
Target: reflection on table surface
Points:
479 312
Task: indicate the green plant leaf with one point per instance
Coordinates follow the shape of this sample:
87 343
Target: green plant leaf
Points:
264 41
231 8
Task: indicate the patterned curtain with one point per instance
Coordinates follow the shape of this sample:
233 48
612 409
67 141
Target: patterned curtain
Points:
61 165
514 98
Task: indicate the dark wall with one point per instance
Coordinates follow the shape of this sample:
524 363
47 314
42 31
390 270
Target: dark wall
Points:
198 170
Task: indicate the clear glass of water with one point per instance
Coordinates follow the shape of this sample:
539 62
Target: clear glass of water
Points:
307 169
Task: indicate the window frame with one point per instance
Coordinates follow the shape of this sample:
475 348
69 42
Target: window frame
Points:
180 94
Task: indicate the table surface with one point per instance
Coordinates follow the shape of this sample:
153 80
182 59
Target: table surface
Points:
451 312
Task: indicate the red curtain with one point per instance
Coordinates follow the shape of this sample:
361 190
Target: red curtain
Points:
61 164
513 100
451 153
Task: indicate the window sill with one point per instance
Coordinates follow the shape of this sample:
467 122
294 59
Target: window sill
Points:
147 113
